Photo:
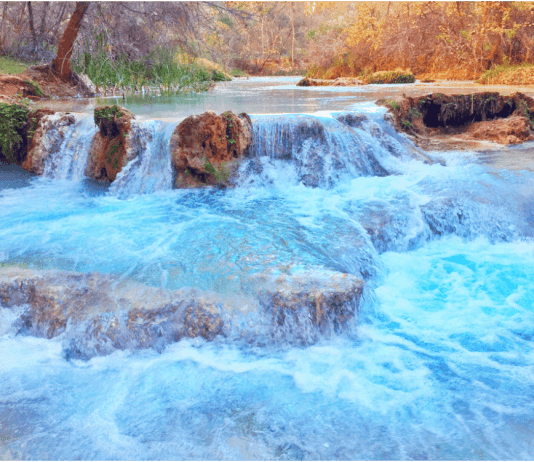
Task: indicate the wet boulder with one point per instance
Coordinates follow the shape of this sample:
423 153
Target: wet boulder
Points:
206 148
111 147
18 125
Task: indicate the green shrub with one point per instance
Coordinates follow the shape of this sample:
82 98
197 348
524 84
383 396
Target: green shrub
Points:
218 76
108 113
13 117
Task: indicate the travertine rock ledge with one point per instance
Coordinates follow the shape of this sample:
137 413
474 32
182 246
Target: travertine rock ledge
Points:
96 314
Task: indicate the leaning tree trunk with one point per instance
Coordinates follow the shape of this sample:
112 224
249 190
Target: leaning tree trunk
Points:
61 65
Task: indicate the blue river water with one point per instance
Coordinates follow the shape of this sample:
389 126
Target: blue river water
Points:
439 363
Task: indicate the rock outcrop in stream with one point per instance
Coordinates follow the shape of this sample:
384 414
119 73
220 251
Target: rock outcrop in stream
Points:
110 147
49 134
340 82
205 148
97 314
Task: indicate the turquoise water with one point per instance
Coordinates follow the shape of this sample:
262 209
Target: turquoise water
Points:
441 369
255 95
439 363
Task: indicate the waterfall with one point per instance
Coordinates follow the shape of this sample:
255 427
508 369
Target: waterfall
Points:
320 149
68 144
151 169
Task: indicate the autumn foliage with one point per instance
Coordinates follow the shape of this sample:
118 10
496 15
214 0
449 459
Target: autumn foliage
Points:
459 40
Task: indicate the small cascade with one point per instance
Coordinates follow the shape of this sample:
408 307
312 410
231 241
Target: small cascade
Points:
69 144
150 169
380 139
321 149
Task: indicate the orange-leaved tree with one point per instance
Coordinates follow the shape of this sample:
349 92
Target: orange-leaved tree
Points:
462 39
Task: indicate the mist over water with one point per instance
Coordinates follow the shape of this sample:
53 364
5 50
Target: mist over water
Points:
438 363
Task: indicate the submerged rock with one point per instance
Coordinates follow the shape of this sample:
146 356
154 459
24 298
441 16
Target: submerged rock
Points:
205 148
111 144
307 304
97 314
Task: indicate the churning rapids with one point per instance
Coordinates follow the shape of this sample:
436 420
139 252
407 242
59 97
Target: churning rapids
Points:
435 361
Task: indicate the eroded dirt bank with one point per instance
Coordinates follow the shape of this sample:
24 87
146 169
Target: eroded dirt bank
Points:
40 82
486 116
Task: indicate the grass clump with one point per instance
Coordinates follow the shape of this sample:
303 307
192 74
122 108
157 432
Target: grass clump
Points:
157 70
392 104
9 65
13 118
507 74
386 77
35 87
